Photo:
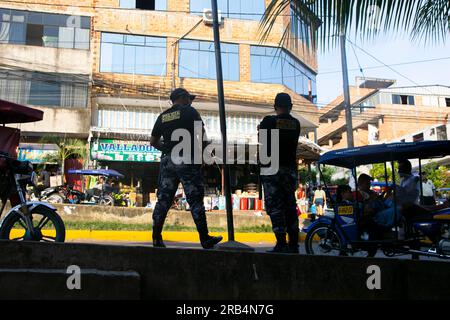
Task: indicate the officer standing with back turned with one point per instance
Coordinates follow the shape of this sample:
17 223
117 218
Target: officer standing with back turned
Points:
180 116
279 187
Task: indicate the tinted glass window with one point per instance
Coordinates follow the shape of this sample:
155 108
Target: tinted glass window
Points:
50 37
45 93
66 37
197 60
133 54
44 29
235 9
17 33
269 65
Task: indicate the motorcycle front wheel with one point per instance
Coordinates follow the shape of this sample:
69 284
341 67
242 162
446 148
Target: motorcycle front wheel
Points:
47 226
324 240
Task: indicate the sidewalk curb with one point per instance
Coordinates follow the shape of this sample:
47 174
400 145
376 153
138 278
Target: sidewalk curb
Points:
146 236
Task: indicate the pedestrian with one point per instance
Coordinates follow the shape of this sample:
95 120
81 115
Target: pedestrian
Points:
301 199
428 188
279 188
45 177
180 116
320 200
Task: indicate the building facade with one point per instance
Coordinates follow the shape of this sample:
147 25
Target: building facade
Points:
385 113
102 70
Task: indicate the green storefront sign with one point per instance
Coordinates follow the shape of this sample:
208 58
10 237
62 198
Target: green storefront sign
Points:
120 150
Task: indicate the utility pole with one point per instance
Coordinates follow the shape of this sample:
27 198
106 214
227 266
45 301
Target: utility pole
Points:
231 244
347 101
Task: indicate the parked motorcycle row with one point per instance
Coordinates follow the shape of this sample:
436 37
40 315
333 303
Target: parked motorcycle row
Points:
67 194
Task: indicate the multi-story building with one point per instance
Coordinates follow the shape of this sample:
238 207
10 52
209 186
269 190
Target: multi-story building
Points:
103 69
384 113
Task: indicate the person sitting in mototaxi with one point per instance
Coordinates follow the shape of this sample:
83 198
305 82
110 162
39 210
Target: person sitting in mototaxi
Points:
408 194
99 187
407 199
344 195
369 202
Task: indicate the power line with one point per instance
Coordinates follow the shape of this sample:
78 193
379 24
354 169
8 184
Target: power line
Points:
390 65
378 60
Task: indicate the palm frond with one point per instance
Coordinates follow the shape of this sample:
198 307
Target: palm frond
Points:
67 147
423 19
432 21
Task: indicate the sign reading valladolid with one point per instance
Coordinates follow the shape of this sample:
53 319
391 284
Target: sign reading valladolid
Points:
119 150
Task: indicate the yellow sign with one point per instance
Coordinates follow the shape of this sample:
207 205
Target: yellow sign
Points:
442 217
171 116
345 210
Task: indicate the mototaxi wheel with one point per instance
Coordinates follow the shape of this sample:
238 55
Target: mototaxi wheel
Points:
55 198
106 201
48 226
324 240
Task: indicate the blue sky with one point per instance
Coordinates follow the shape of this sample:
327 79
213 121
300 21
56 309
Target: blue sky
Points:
389 49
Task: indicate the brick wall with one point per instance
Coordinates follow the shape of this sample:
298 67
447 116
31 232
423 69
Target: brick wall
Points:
397 121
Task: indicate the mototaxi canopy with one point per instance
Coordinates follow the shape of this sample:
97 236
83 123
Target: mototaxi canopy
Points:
97 172
11 112
353 157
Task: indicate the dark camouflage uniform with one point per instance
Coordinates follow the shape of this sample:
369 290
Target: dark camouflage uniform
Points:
279 197
191 177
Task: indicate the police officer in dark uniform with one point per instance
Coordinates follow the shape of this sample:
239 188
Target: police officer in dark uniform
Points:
180 116
279 188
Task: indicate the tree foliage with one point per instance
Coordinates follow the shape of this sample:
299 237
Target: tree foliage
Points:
424 20
439 175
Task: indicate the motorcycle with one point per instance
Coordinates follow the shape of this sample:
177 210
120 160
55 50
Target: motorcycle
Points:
50 195
418 231
26 220
103 196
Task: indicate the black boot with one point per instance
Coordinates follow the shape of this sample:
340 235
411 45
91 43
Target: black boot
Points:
293 246
281 246
157 238
158 243
208 242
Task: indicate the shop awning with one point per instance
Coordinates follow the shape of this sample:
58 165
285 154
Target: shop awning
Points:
308 150
306 126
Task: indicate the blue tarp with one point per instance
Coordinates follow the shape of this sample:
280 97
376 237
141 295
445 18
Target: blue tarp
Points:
353 157
381 184
98 172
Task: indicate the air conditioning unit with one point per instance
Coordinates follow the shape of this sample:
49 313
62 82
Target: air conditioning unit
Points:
208 16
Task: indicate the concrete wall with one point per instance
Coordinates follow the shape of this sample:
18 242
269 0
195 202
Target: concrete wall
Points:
58 120
46 59
35 283
141 215
200 274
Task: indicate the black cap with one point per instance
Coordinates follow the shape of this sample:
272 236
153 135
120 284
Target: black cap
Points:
180 92
283 100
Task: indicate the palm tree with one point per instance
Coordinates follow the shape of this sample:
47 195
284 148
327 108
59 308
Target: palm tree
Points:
67 147
424 20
